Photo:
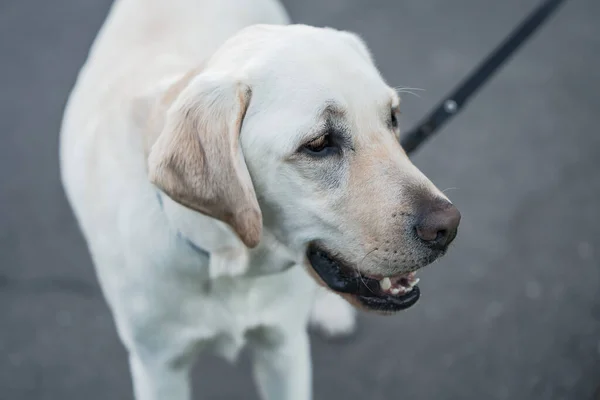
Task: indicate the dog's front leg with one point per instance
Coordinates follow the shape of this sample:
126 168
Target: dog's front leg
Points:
158 380
282 368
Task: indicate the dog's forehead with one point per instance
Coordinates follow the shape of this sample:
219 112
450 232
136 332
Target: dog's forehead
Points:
333 64
310 78
303 61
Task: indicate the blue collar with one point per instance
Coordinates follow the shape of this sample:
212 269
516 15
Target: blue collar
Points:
191 244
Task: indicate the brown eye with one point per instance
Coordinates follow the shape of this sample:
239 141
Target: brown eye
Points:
320 146
394 119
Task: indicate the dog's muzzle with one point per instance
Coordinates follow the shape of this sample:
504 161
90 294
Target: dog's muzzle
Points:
387 294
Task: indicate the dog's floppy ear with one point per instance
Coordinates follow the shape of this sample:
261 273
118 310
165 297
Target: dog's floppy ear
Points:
197 159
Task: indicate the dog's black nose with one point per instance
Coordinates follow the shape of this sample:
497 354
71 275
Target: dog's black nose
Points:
437 223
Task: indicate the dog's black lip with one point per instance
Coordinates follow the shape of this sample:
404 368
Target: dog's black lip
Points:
366 289
392 303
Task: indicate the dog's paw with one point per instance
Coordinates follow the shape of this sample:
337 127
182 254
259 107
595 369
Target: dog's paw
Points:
332 316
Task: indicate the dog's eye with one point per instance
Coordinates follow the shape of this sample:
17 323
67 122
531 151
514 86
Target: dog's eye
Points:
394 118
321 146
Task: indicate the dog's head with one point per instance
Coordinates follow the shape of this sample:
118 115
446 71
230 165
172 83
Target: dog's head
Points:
292 129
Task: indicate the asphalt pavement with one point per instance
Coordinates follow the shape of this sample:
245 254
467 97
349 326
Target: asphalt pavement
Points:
512 312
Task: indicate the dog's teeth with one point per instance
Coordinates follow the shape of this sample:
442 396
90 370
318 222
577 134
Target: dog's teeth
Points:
385 284
413 283
395 291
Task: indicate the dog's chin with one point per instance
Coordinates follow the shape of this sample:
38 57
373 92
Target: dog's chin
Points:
383 295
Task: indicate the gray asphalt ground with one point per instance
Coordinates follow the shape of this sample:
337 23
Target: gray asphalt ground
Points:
513 312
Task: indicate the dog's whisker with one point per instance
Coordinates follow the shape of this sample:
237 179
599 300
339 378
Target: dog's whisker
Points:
400 88
450 188
365 256
358 270
409 90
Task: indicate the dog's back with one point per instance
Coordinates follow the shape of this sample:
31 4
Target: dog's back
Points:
141 47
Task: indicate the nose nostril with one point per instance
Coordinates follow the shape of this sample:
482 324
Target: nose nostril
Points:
437 224
441 235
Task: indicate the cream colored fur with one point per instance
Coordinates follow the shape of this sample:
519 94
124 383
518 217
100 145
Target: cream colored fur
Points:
180 138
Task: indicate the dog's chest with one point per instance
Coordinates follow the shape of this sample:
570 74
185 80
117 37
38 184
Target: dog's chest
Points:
229 309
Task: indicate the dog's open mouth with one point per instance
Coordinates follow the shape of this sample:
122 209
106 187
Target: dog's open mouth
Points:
384 294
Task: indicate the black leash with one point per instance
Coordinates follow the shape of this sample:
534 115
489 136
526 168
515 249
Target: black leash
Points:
455 101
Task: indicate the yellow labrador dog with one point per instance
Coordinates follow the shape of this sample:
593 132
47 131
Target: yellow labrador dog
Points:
222 164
